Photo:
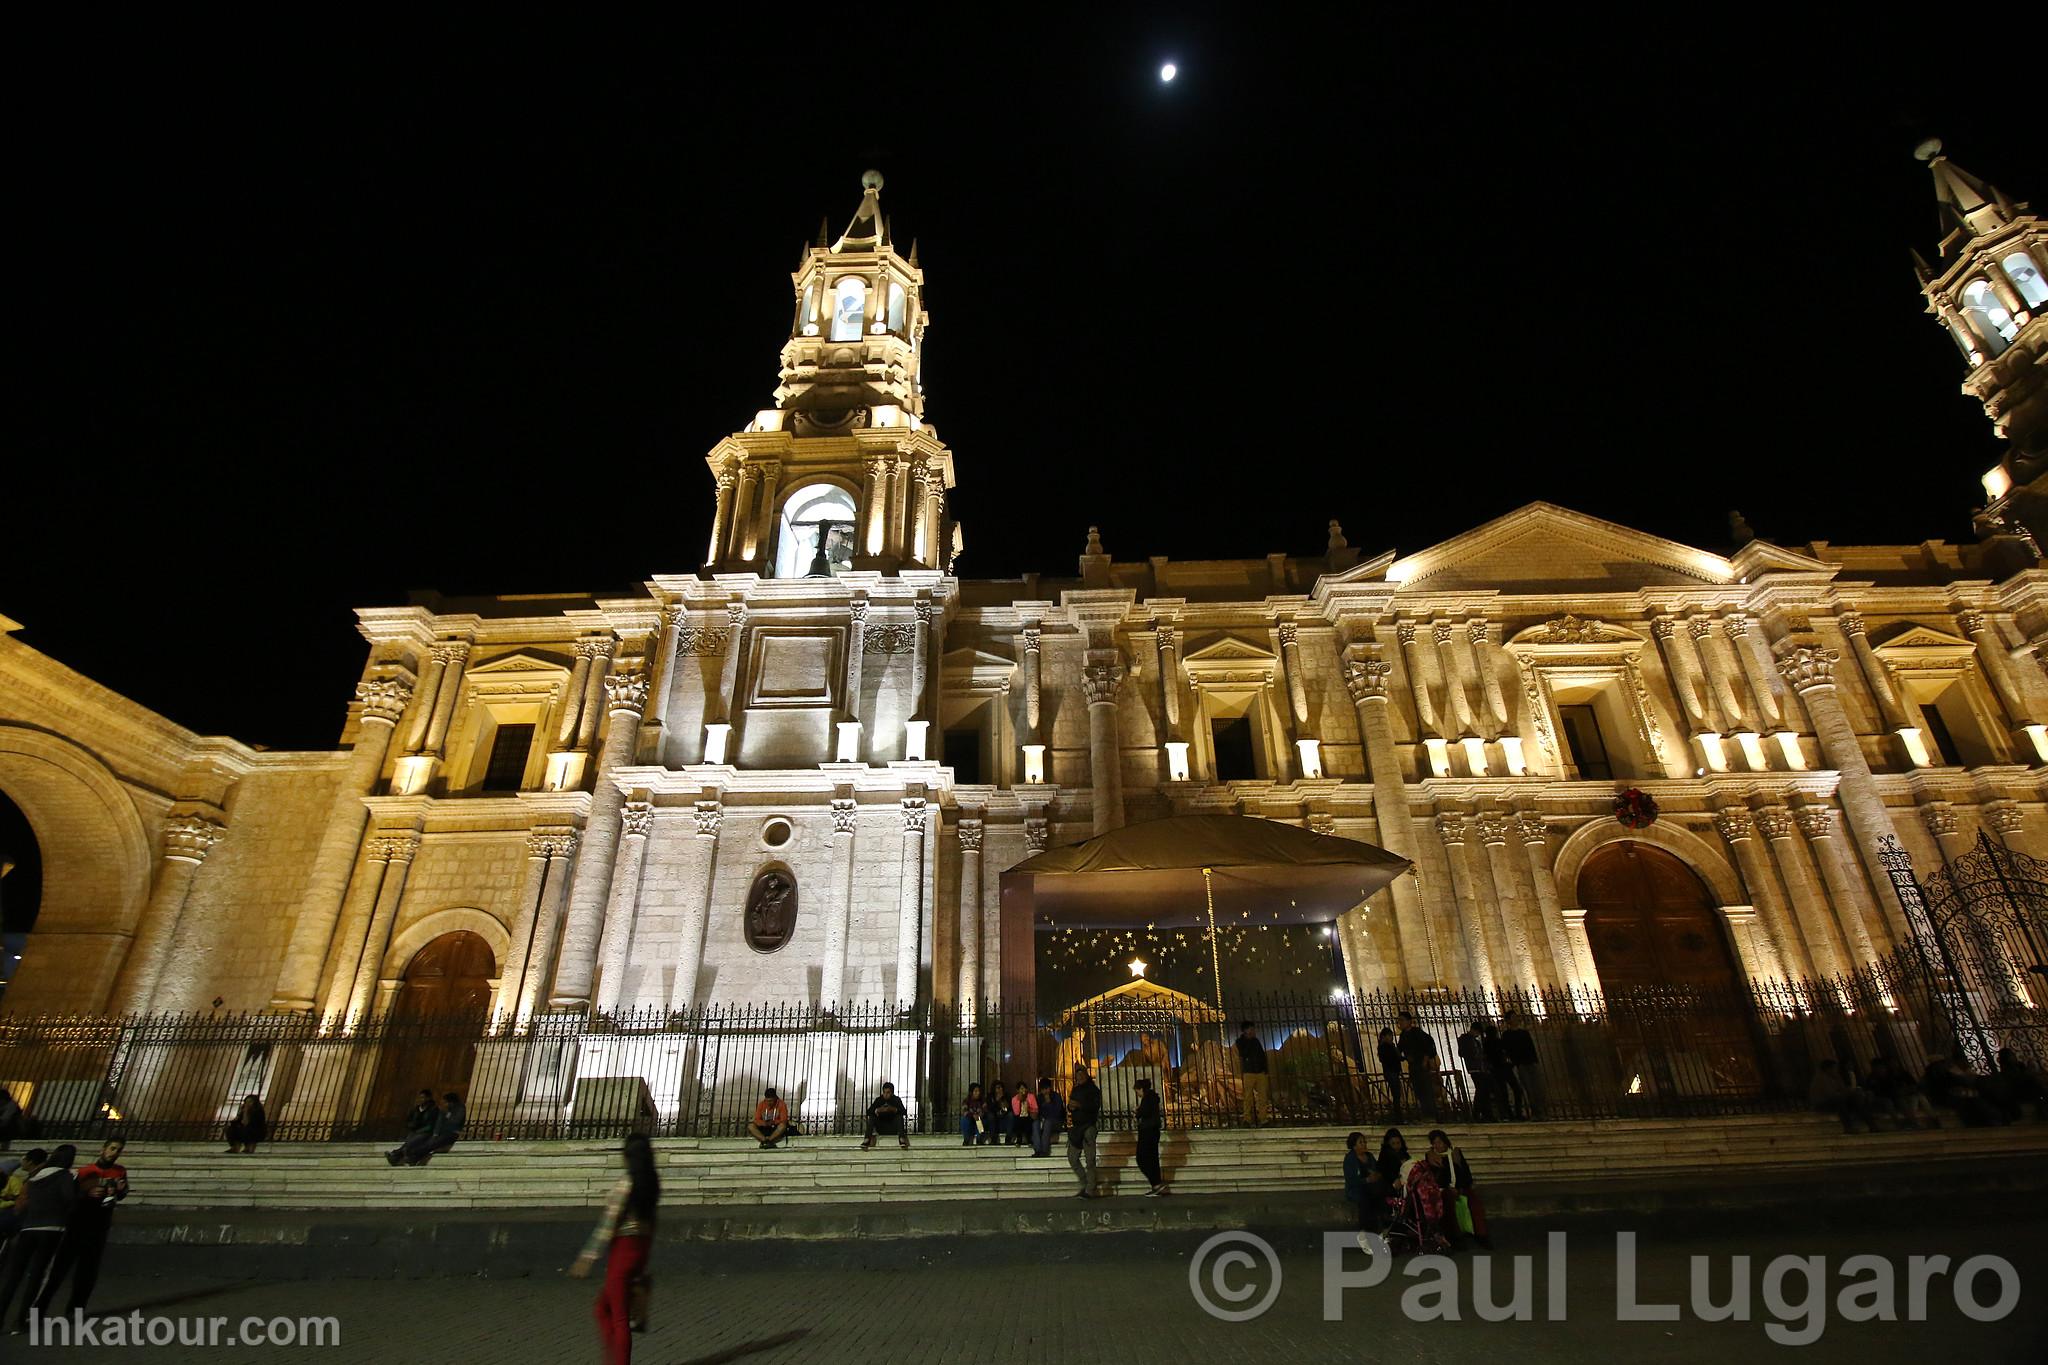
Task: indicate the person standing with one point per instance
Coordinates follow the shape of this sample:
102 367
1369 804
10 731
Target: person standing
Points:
1528 1069
624 1236
1085 1105
1390 1067
1472 1052
1251 1063
46 1202
1507 1090
1052 1118
10 1193
101 1185
1151 1120
1420 1051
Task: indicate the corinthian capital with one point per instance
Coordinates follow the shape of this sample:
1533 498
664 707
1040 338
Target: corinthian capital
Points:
1037 835
1100 682
970 836
1851 622
914 812
1815 822
451 652
594 647
1169 639
1972 622
1445 631
551 841
859 607
1805 667
1664 627
2003 817
844 813
1323 824
625 691
1735 822
710 815
384 698
1493 826
1289 633
1404 631
1477 630
1367 679
1940 817
1735 625
637 817
1530 826
1701 627
189 838
393 848
1031 638
1774 822
1451 827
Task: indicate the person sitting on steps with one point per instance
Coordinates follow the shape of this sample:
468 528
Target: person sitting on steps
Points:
887 1115
771 1120
418 1149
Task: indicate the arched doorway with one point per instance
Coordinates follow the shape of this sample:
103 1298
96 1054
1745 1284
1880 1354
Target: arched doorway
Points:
1652 922
1677 1012
431 1031
21 885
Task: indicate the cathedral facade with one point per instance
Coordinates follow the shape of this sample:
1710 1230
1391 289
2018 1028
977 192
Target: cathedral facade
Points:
795 773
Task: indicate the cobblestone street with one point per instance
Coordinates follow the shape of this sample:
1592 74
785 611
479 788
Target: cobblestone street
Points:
1124 1309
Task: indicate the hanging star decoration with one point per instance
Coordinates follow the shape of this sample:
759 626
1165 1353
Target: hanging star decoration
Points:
1138 966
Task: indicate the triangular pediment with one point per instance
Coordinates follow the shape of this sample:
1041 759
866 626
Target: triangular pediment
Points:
1545 545
1924 638
520 661
974 658
1229 651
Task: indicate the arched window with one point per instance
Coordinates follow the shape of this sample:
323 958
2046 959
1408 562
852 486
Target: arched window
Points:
896 309
2026 277
816 537
1987 317
849 308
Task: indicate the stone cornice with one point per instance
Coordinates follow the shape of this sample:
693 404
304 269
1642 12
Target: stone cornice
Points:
479 813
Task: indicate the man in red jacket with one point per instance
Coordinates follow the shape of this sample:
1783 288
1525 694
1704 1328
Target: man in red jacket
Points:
101 1185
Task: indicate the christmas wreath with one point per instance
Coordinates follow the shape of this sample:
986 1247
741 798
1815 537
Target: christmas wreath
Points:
1635 808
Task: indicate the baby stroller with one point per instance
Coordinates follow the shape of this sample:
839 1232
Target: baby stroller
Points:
1410 1226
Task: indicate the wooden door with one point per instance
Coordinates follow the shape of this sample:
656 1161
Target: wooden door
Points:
432 1030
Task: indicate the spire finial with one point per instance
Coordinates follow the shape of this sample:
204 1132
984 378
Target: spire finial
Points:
1928 150
1094 541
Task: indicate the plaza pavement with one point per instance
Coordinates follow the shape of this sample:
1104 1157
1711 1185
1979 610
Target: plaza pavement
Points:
1114 1301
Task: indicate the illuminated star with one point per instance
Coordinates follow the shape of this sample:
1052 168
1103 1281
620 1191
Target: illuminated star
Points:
1138 965
1167 73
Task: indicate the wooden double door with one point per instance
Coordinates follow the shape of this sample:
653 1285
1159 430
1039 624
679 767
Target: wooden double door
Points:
433 1027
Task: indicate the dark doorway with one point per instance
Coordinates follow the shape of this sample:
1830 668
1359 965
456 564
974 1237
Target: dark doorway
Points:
963 755
440 1012
1588 746
1233 743
506 771
21 886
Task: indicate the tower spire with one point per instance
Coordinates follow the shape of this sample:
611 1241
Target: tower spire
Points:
1969 208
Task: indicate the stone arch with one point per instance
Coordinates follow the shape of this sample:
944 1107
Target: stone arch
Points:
407 942
1689 848
96 869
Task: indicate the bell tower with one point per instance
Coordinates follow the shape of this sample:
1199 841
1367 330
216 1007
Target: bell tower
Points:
1989 289
843 473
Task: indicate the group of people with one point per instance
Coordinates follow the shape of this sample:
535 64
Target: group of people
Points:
429 1128
55 1223
1423 1203
1500 1062
1886 1093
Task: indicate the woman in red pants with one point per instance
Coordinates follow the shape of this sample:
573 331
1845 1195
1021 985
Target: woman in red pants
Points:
627 1230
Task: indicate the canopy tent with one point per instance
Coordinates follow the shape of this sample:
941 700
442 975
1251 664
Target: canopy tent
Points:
1188 870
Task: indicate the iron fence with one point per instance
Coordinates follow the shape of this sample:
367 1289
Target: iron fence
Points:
1670 1051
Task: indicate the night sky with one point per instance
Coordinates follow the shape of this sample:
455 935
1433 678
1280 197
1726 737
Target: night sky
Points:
313 319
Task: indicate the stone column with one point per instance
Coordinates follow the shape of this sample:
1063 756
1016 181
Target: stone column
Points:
660 683
856 650
1169 678
622 909
1723 687
384 702
452 655
511 972
1582 952
553 848
719 710
1486 940
1030 638
1742 639
839 911
396 852
1738 827
1875 675
1821 953
591 706
1940 819
763 533
1418 679
1692 710
1495 828
969 992
351 932
935 514
1534 833
626 693
428 696
697 914
187 841
1457 704
1367 677
1848 895
1100 678
1997 667
1810 671
2008 822
721 518
924 667
874 508
572 697
1479 633
745 527
1290 663
910 901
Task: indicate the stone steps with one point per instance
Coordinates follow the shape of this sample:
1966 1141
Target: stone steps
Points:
832 1170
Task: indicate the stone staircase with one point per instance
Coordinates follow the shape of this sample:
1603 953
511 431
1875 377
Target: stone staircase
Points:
719 1172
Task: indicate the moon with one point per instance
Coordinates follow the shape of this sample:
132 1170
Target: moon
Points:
1167 73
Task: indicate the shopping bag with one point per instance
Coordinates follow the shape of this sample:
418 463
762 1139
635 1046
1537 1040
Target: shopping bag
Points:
1464 1212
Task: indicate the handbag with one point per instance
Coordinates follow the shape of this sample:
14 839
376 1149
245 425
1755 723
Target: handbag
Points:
1464 1215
